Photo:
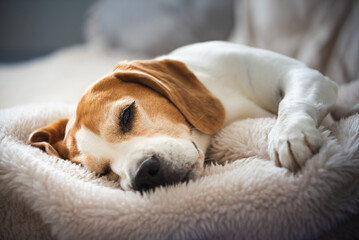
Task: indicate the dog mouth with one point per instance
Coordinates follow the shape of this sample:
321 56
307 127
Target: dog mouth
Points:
196 147
155 172
149 169
151 186
151 177
186 178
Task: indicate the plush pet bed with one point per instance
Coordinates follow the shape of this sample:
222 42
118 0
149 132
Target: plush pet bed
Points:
42 197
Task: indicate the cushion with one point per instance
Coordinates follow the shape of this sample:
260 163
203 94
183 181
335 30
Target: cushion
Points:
245 197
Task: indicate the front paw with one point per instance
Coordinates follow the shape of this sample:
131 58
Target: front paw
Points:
291 145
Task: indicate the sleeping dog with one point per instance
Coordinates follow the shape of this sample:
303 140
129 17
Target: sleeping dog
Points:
149 123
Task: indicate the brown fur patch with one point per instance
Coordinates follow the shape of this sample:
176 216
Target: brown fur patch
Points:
177 83
99 110
51 138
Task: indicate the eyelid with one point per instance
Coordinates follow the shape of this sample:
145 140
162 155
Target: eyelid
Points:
124 128
127 106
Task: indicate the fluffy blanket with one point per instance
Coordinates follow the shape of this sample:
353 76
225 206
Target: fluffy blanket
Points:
42 197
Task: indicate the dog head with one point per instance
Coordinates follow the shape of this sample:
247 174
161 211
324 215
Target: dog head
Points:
137 125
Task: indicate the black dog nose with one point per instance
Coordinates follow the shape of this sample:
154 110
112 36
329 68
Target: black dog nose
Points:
149 174
154 172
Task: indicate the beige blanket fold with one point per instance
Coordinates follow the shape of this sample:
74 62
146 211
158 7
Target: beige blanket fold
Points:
42 197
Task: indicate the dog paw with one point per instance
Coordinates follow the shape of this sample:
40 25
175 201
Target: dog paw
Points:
291 145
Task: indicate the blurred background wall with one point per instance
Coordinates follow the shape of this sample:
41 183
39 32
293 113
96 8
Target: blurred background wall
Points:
322 33
36 27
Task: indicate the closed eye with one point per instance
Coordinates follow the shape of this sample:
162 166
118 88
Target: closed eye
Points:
126 117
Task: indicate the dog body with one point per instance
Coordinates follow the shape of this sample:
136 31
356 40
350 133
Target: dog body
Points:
149 123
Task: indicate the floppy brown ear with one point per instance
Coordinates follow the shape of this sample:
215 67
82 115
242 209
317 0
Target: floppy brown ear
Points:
177 83
50 138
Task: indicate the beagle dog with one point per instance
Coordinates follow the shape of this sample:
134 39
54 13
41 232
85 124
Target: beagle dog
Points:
149 123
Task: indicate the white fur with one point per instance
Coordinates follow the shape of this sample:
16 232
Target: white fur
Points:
250 82
126 156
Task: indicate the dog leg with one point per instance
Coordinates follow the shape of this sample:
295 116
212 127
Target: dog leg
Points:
307 98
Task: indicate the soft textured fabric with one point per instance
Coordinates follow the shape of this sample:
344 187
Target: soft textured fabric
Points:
348 100
250 198
158 26
59 77
321 33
